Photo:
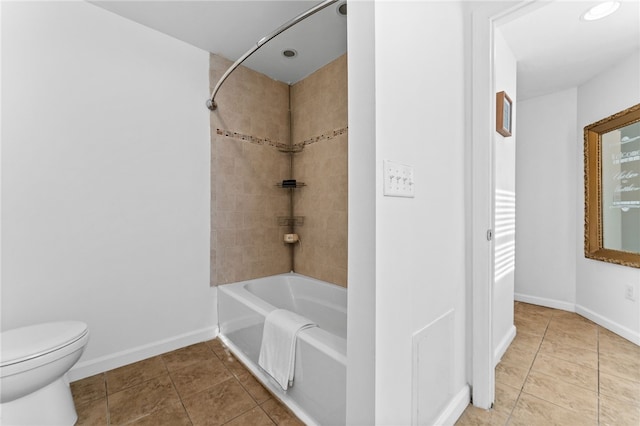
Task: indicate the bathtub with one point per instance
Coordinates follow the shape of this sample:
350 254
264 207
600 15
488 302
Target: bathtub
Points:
318 395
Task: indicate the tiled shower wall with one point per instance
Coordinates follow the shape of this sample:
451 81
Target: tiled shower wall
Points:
250 123
319 117
251 119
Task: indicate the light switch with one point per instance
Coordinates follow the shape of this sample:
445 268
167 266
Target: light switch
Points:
398 180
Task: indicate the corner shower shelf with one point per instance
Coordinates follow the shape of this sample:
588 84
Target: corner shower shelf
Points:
291 149
291 220
291 185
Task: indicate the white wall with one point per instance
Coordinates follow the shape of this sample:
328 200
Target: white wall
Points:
551 267
419 283
600 286
505 72
547 168
362 167
105 181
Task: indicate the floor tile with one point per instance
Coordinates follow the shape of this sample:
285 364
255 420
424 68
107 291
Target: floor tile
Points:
505 398
174 415
474 416
525 341
579 356
521 308
559 392
254 388
532 411
621 364
611 342
219 404
519 355
575 326
141 400
187 356
543 379
218 348
585 341
199 376
617 413
253 417
532 324
571 320
574 360
93 413
619 388
280 414
89 389
234 366
512 375
134 374
569 372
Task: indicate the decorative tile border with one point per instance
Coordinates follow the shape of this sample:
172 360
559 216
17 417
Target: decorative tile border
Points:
269 142
251 139
325 136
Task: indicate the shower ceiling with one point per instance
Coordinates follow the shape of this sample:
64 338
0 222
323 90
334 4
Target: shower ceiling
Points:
554 48
230 28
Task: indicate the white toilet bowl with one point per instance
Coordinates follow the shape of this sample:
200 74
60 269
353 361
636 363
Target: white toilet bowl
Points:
34 360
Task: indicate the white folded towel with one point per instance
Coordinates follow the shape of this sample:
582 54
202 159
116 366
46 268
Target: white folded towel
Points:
278 349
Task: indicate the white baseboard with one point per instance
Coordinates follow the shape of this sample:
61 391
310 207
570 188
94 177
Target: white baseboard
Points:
613 326
504 345
456 407
118 359
620 330
542 301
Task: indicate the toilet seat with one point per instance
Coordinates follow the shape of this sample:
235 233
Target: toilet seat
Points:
34 362
28 343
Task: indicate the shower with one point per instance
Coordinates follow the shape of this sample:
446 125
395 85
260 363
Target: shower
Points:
211 102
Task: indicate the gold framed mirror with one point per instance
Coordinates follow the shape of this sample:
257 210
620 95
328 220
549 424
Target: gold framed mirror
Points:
612 188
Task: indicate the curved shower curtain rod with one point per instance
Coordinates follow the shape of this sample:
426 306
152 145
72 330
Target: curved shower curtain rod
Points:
211 102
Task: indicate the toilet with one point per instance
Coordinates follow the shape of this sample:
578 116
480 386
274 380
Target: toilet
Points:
34 360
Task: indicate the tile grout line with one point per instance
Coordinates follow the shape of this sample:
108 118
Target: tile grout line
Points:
597 370
178 392
529 370
106 397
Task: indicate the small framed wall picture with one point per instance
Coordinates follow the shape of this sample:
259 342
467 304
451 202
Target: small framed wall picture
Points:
503 114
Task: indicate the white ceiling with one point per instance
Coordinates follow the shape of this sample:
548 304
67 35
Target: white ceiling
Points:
231 28
555 49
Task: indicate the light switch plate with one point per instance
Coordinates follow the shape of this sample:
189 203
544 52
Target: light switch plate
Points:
398 180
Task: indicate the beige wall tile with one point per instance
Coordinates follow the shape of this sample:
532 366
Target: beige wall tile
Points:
320 107
246 203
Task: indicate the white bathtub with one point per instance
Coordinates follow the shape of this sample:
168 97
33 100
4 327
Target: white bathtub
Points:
318 395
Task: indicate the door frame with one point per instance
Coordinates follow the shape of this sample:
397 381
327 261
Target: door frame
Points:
484 19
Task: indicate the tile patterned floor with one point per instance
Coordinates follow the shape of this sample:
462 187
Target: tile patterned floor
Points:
202 384
563 369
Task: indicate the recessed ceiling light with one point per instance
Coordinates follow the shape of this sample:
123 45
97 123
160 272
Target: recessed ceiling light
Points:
289 53
601 10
